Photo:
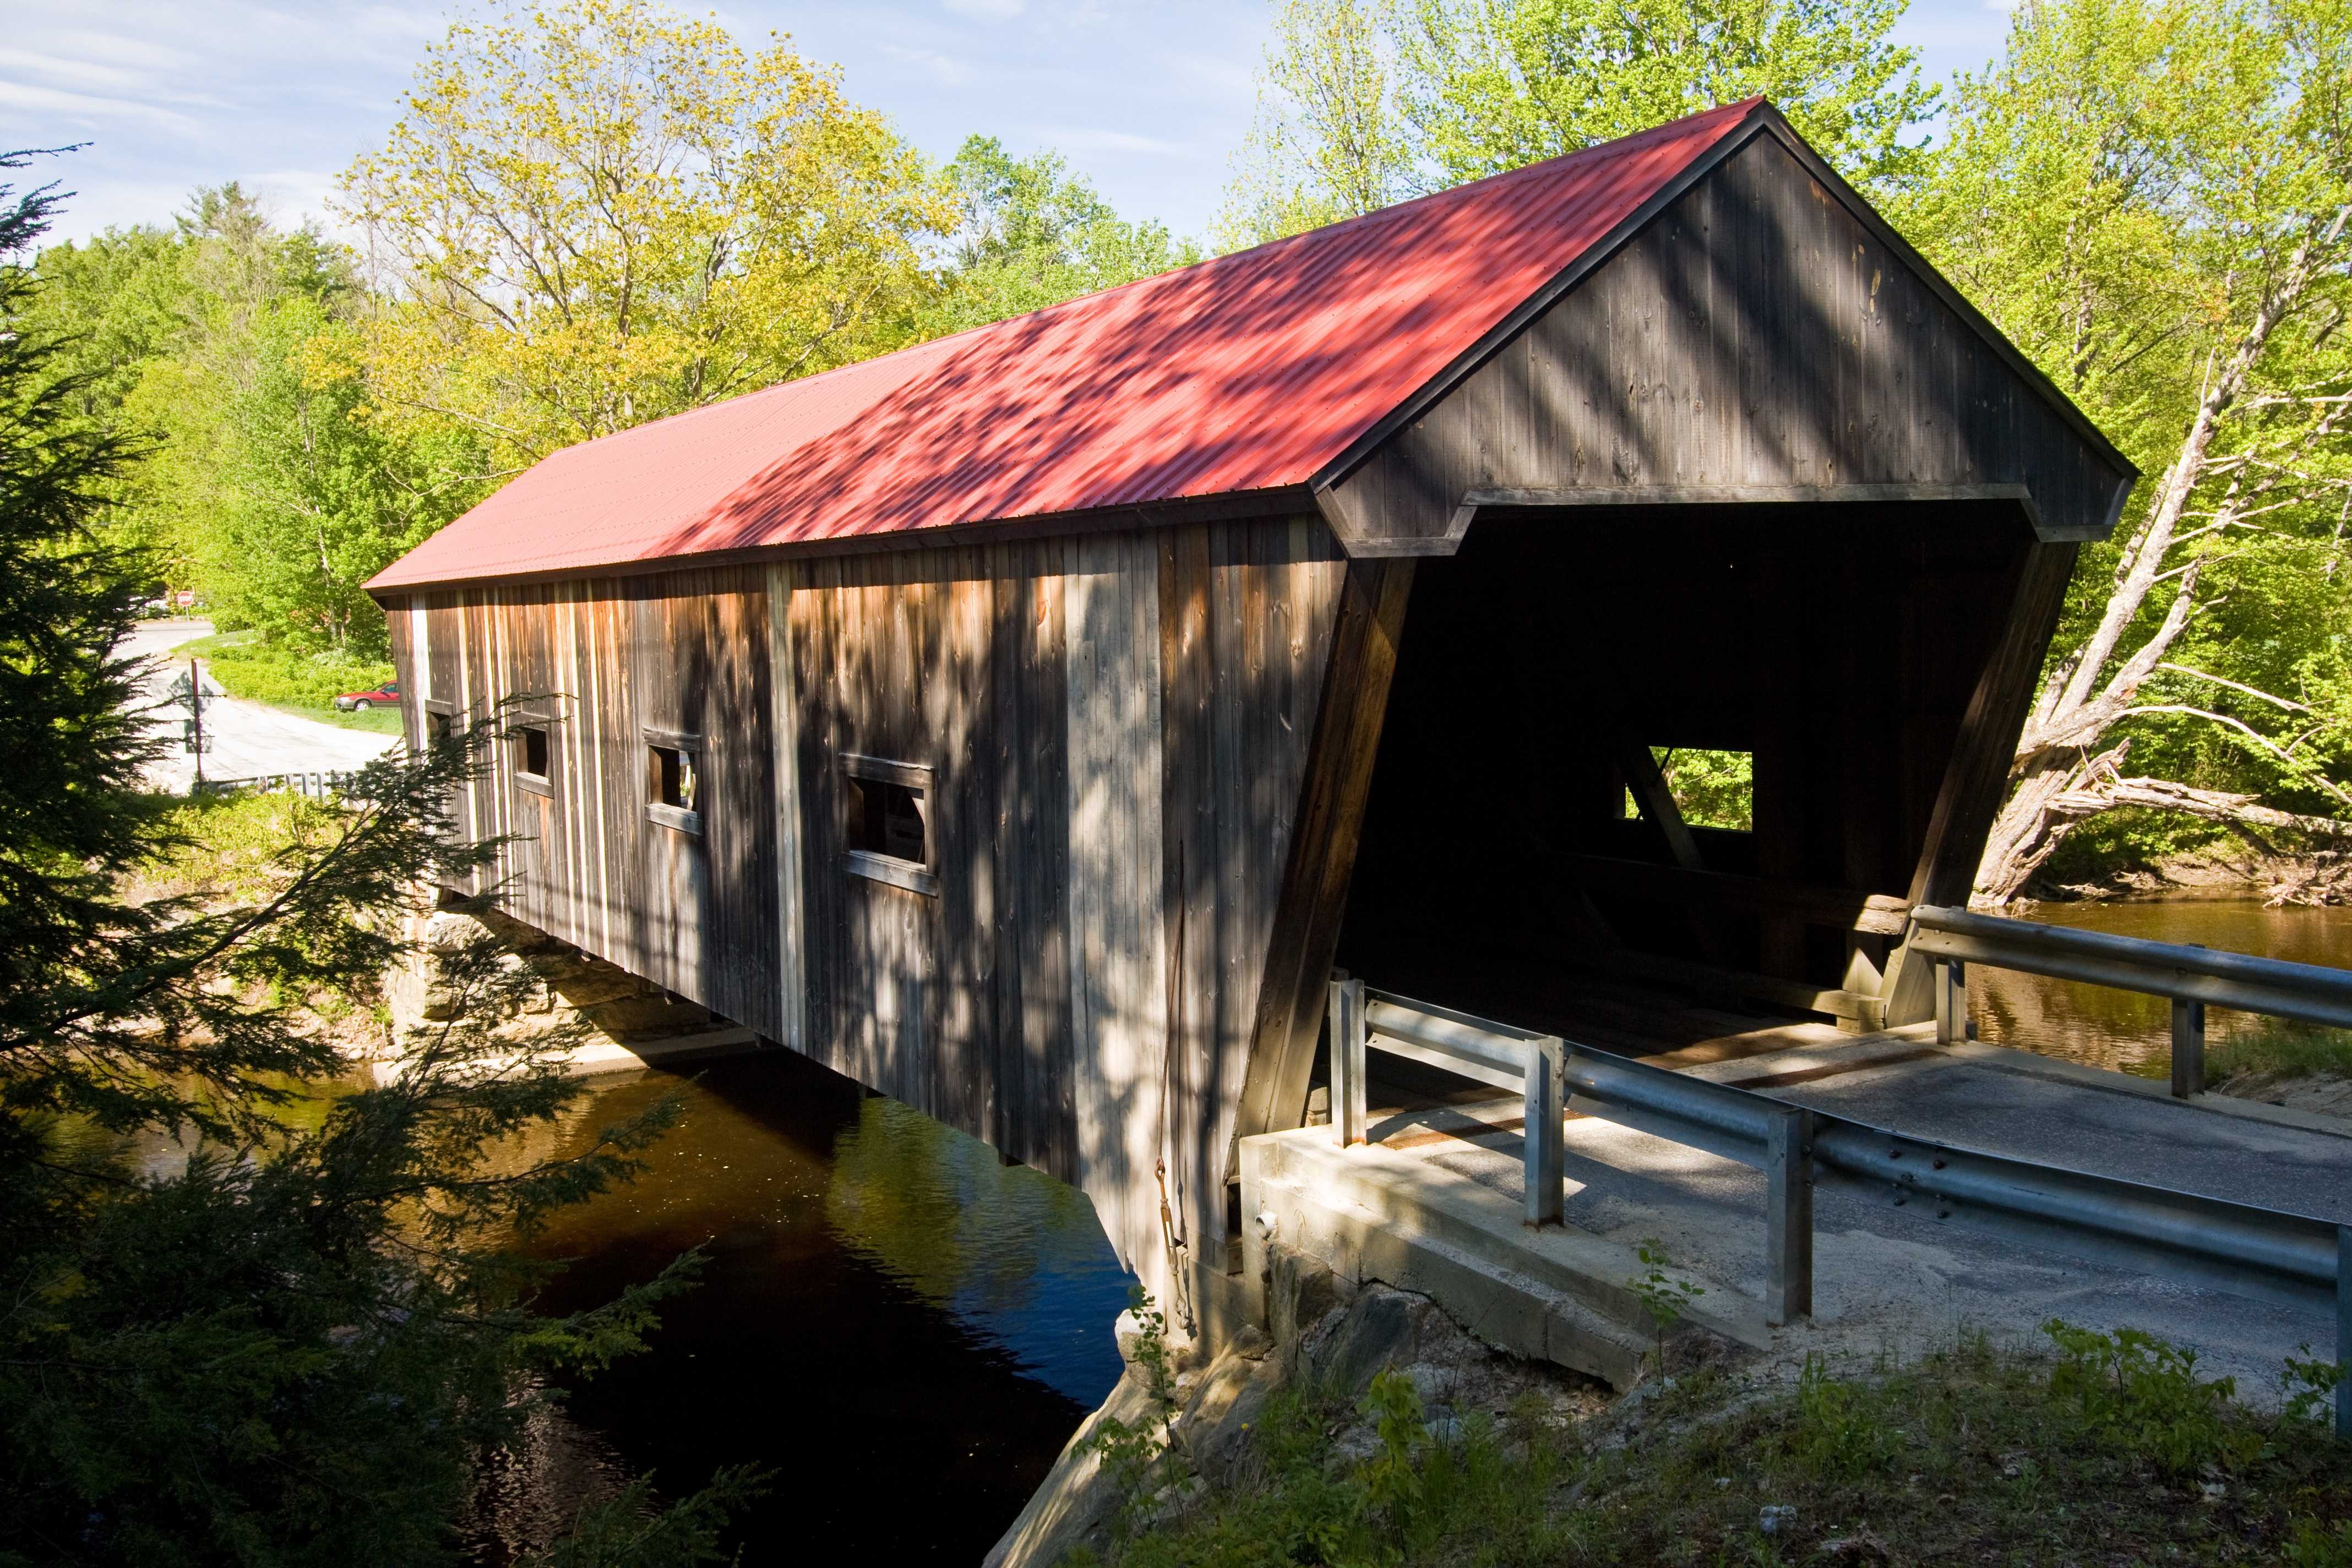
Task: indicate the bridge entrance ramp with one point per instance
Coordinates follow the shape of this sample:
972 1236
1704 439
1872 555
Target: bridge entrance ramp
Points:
1888 1278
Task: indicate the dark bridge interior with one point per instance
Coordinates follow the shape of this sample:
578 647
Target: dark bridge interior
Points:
1517 862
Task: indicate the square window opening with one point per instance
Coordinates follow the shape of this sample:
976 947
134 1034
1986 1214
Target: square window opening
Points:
886 819
1711 789
672 778
530 751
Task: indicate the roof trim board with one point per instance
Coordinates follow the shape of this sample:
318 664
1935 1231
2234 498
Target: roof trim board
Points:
1274 501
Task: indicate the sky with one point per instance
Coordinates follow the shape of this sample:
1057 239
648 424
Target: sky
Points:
1148 100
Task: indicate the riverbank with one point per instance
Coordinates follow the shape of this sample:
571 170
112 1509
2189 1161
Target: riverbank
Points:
1370 1427
2226 868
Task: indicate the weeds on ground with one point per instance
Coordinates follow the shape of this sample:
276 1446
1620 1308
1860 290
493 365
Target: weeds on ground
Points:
2139 1392
1415 1497
2278 1048
1664 1297
2104 1448
234 849
1131 1454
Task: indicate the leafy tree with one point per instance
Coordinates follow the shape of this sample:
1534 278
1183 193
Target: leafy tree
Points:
1329 140
246 1321
1364 102
595 212
291 497
1030 233
2151 197
1492 85
226 341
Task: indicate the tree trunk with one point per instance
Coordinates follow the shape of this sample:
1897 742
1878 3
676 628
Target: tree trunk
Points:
2050 801
2059 781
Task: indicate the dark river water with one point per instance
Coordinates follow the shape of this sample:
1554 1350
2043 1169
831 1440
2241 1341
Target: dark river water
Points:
905 1330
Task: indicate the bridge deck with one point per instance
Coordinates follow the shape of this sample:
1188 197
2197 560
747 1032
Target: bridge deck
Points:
1890 1279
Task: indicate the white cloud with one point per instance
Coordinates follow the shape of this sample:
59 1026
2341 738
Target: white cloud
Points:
988 10
943 68
58 68
86 111
1099 138
294 195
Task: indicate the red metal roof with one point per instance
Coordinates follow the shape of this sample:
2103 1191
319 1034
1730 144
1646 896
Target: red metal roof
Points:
1250 372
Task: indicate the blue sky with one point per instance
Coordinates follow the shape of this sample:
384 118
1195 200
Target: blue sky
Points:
1149 100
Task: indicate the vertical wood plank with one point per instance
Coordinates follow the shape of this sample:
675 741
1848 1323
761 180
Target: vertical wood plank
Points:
1116 975
783 739
1977 774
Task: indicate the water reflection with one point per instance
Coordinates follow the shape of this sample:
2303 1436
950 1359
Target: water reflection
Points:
1020 1260
2123 1029
905 1328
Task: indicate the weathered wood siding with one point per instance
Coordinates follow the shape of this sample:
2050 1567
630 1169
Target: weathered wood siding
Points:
1117 726
1755 334
595 662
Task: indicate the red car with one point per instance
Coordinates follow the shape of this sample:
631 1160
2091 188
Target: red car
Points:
361 701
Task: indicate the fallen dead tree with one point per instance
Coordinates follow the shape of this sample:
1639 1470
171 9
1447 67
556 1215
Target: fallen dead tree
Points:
2098 785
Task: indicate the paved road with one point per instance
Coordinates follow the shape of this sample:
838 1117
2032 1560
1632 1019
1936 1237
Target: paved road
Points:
248 739
1899 1280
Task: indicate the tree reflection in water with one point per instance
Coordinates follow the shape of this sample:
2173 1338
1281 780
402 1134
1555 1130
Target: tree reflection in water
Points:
2122 1030
906 1329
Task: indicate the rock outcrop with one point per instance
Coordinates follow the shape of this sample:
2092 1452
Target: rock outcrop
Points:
1324 1332
606 1019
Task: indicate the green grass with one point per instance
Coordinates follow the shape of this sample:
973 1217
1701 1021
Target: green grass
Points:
219 642
376 720
2277 1049
2108 1448
226 848
293 681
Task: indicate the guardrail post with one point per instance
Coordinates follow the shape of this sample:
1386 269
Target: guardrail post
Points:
1951 1001
1547 1139
1348 1109
2343 1332
2188 1047
1788 1216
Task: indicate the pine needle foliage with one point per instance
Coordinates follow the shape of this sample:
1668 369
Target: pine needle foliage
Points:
248 1314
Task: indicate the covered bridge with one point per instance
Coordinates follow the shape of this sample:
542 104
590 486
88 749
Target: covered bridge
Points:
1025 722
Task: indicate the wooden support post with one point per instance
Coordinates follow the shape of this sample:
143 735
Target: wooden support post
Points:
1347 1109
1648 782
1322 857
1951 1001
1977 776
1650 792
1789 1217
1547 1137
2187 1048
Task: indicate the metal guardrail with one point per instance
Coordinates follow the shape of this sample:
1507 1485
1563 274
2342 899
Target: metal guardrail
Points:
2239 1247
317 785
2193 977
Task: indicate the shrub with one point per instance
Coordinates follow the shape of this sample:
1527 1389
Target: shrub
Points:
262 672
2140 1393
1839 1433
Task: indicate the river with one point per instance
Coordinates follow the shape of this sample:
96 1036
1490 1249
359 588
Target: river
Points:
2122 1030
905 1330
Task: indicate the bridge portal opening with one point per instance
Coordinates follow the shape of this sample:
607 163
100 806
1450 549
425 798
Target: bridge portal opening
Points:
1642 769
